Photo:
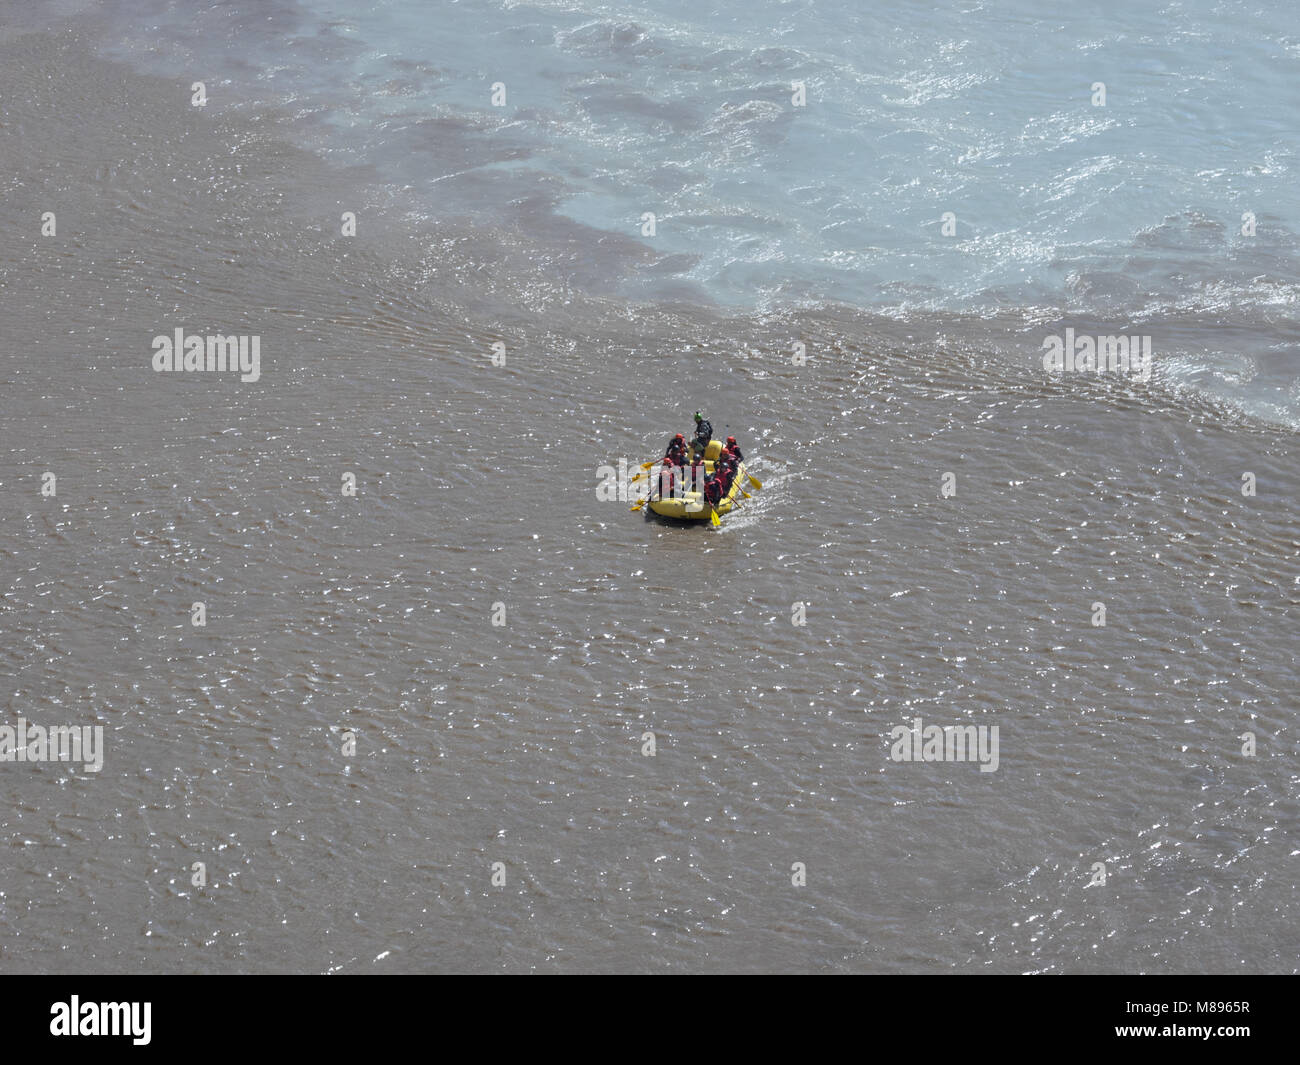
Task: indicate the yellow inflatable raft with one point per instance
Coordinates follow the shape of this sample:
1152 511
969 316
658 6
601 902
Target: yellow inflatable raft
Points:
690 505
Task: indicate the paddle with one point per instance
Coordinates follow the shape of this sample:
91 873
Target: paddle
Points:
639 504
644 468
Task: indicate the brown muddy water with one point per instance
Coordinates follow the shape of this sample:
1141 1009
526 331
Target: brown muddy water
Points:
523 743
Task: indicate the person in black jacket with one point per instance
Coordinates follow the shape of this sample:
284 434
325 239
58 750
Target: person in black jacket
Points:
703 433
734 449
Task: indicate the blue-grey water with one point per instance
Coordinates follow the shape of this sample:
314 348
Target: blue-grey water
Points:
949 190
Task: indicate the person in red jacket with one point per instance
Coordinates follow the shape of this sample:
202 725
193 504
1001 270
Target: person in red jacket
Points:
734 449
726 468
713 490
724 473
677 450
667 479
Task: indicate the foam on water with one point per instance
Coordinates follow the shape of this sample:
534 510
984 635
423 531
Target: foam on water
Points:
684 111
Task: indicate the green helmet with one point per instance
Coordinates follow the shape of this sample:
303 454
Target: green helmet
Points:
697 417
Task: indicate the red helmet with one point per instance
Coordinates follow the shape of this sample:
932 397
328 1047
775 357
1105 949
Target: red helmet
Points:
667 461
679 437
731 440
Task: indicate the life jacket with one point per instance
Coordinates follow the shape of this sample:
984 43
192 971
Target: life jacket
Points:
667 475
713 490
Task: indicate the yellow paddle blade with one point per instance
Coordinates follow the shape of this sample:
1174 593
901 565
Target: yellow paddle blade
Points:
647 465
754 480
713 517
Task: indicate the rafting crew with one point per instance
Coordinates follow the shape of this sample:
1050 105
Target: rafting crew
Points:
711 481
679 457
